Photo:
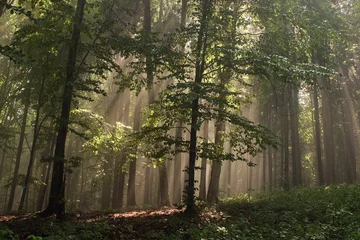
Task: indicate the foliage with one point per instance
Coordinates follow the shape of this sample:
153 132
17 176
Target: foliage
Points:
306 213
6 233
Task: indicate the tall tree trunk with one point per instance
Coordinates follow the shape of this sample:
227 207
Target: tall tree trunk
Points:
117 170
264 155
2 161
56 201
177 191
18 154
131 197
229 175
318 135
285 135
295 139
270 157
109 180
350 129
177 175
275 183
33 146
184 9
199 71
45 172
150 80
213 192
119 175
329 154
202 193
163 185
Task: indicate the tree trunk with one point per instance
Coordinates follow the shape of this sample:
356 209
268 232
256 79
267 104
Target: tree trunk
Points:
318 135
270 157
213 192
163 185
229 176
264 155
285 136
184 8
56 201
131 197
330 175
202 193
199 71
45 173
3 154
177 191
295 139
33 146
350 130
18 154
119 175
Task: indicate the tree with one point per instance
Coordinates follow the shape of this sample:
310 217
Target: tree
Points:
57 202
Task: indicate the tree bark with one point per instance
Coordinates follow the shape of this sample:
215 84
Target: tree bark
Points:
318 136
269 153
328 133
350 129
56 201
177 191
18 154
48 151
285 136
163 185
3 154
213 192
33 146
295 139
202 193
199 71
131 197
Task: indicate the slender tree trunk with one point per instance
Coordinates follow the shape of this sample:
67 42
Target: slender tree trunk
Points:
56 201
131 197
270 157
213 192
3 154
177 191
45 172
202 193
199 71
163 185
328 135
150 79
18 155
184 9
295 139
117 162
33 146
264 155
119 175
177 173
285 135
229 175
350 130
318 135
275 183
110 179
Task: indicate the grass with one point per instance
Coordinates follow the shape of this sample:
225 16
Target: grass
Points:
306 213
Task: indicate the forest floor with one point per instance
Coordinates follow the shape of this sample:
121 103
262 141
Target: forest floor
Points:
307 213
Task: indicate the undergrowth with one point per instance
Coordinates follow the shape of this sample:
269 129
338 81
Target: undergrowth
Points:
306 213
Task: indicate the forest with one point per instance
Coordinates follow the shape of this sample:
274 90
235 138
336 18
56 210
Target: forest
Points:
215 119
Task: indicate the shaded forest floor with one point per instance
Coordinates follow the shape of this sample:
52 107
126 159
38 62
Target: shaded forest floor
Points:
307 213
